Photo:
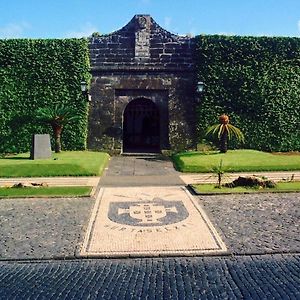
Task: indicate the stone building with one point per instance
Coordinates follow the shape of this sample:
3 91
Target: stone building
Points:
142 90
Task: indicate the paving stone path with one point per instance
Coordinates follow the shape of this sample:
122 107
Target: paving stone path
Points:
149 221
260 231
141 171
243 277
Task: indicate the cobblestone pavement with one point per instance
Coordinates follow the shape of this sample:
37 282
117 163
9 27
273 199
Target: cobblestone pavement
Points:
261 223
243 277
38 228
251 224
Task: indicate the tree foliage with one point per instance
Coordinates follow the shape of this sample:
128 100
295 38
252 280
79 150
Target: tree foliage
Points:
57 117
225 132
255 80
40 73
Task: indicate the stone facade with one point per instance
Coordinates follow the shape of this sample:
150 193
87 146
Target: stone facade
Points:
142 61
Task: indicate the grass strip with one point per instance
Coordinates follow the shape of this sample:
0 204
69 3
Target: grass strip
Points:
69 163
61 191
236 161
281 187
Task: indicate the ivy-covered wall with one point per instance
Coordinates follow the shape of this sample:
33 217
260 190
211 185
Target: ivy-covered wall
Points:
41 73
256 81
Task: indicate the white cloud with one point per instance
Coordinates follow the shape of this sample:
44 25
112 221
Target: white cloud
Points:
13 30
84 31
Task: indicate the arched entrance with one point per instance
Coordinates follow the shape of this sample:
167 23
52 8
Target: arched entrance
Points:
141 127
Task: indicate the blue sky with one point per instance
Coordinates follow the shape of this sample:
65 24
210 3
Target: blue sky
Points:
77 18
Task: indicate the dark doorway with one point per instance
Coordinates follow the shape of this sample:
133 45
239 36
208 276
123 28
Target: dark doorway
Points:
141 127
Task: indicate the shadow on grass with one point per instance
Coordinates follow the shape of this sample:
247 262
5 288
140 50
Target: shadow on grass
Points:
16 158
44 170
154 158
179 163
191 154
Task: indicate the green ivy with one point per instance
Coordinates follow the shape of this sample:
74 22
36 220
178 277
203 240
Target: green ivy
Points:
41 73
256 81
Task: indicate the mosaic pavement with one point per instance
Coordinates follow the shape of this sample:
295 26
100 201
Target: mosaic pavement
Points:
149 221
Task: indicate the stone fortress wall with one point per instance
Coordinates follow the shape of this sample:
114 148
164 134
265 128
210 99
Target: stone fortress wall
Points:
142 61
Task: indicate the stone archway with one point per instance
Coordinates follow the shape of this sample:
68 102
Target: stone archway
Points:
141 126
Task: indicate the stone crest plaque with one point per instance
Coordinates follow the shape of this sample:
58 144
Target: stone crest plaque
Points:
142 22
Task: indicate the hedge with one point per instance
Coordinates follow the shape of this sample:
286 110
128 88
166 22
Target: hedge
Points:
256 81
40 73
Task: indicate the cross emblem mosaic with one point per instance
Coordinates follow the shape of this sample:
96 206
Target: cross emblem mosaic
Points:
155 213
152 221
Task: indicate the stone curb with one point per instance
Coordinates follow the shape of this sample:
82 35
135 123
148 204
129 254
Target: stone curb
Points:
197 178
194 192
85 258
53 181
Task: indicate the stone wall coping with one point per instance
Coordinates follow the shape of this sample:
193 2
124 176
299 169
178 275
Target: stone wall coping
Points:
133 68
177 38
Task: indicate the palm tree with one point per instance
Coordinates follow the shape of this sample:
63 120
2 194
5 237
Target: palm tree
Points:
225 132
219 171
57 118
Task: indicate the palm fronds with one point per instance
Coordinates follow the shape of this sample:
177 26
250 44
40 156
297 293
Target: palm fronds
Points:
236 132
225 131
57 117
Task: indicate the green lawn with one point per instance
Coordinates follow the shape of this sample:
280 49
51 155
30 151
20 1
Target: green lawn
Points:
61 191
236 161
281 187
69 163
